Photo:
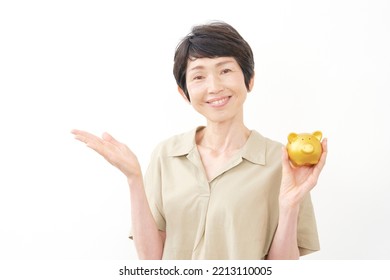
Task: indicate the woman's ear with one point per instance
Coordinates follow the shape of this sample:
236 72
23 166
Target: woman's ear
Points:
251 82
182 93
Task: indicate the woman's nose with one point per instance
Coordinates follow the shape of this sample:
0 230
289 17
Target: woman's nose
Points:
214 85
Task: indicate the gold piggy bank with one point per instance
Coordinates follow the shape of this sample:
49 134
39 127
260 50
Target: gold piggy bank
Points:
304 148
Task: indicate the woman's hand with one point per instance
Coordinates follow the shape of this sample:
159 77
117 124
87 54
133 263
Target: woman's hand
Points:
116 153
298 181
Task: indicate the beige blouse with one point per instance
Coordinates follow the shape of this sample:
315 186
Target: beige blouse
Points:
234 216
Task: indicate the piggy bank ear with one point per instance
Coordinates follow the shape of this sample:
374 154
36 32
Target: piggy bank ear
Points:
291 137
318 135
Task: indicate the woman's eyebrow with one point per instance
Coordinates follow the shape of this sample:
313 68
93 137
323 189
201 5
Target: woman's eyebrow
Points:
196 68
221 63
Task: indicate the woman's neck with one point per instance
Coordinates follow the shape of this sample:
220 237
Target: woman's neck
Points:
222 138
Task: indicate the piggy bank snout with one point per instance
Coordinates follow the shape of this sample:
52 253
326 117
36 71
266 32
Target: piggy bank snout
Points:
307 148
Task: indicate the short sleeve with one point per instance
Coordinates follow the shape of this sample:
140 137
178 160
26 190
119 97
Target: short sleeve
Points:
308 241
153 190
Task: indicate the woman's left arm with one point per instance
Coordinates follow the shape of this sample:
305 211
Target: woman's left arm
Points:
296 183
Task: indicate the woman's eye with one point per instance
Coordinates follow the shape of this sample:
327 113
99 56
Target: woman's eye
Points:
197 77
224 71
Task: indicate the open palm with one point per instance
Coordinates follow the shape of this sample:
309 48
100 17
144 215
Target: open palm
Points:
116 153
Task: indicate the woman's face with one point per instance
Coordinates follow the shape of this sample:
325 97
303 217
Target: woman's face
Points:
217 88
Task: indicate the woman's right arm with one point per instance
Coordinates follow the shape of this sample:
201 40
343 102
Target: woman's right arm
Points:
149 241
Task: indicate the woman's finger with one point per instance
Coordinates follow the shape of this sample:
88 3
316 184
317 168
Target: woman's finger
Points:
321 163
89 139
108 137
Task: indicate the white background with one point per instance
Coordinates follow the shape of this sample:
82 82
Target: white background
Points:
107 66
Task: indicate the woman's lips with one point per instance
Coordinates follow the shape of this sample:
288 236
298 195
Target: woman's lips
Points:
218 102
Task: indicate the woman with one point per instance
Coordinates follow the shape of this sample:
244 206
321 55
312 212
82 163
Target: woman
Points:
221 191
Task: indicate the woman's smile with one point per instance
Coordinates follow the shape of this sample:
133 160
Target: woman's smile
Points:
218 102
